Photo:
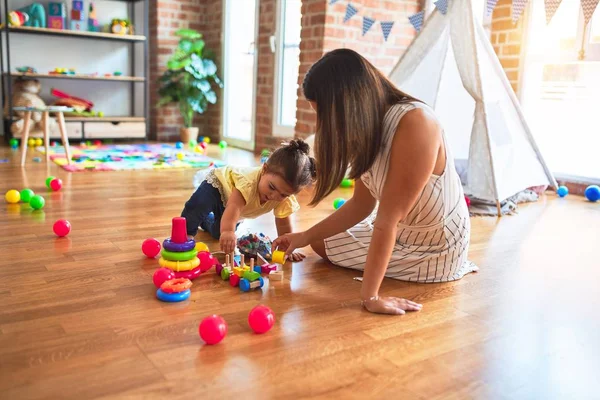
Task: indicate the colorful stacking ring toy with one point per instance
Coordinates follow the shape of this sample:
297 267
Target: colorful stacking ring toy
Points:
191 274
173 297
178 256
178 266
185 246
176 285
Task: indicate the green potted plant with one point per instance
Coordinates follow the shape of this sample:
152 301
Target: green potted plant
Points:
188 80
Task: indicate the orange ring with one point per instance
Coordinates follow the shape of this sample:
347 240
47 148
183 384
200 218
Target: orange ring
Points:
176 285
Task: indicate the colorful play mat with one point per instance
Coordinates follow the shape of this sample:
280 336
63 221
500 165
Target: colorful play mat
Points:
123 157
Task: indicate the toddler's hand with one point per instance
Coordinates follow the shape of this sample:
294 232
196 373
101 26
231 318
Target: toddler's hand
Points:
227 241
296 257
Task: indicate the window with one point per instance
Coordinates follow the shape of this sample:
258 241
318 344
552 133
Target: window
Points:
287 55
561 91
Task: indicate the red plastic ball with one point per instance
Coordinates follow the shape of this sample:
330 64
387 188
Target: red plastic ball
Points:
55 184
151 247
213 329
468 201
97 142
62 227
162 275
261 319
207 261
203 145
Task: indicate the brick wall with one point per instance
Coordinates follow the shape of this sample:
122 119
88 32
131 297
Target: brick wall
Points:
507 38
267 24
212 29
166 17
323 30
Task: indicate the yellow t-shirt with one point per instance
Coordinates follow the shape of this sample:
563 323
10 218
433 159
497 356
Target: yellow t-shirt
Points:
245 179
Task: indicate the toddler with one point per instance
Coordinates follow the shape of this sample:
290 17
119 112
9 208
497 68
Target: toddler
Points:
229 194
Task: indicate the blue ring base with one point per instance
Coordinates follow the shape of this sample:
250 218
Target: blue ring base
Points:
173 297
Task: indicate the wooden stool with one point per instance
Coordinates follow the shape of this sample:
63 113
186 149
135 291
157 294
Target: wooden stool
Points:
58 110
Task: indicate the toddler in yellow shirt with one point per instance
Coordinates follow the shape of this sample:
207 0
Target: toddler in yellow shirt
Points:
229 194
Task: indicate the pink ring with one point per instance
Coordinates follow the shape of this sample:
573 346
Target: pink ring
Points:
191 274
185 246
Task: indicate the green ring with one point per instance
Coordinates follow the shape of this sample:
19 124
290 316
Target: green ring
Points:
178 255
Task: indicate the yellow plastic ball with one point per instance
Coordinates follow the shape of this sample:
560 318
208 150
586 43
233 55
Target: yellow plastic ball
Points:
206 139
38 142
12 196
31 142
201 247
180 156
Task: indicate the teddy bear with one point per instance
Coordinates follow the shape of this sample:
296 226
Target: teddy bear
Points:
26 94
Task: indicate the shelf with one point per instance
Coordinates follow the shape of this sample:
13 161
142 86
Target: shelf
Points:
77 34
79 77
105 119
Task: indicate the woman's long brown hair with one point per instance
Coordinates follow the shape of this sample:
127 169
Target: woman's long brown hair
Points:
352 97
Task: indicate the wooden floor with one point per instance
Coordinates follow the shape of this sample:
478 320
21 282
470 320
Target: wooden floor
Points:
79 320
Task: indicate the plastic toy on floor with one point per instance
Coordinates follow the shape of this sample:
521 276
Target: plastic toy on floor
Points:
252 245
181 262
242 275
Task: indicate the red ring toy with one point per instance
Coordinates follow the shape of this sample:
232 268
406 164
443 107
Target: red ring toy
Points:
176 285
191 274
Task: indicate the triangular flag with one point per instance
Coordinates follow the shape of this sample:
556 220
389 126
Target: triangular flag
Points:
588 7
490 5
417 20
332 2
386 27
367 24
442 5
517 9
551 7
350 12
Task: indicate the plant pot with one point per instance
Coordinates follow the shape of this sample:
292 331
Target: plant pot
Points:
187 134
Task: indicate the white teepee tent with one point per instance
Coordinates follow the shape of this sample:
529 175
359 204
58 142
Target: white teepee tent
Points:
452 67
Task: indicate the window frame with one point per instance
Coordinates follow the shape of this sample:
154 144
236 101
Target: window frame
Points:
277 41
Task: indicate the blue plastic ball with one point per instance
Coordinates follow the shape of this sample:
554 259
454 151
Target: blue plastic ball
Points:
562 191
592 193
179 145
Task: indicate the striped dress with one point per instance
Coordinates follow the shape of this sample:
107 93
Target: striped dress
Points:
432 241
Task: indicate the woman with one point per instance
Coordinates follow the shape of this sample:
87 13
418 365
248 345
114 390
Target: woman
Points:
407 218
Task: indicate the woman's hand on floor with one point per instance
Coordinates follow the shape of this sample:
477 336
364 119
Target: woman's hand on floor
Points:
391 305
290 242
296 256
227 241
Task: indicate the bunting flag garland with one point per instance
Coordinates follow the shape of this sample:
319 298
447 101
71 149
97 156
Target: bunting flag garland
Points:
442 5
490 5
332 2
517 9
588 7
551 7
386 27
417 20
350 12
367 24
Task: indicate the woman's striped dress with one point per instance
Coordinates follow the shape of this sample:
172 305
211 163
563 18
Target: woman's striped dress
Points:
432 241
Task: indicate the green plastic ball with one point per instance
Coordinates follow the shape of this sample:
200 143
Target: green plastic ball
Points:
14 143
26 195
37 202
337 203
48 180
223 144
193 143
347 183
